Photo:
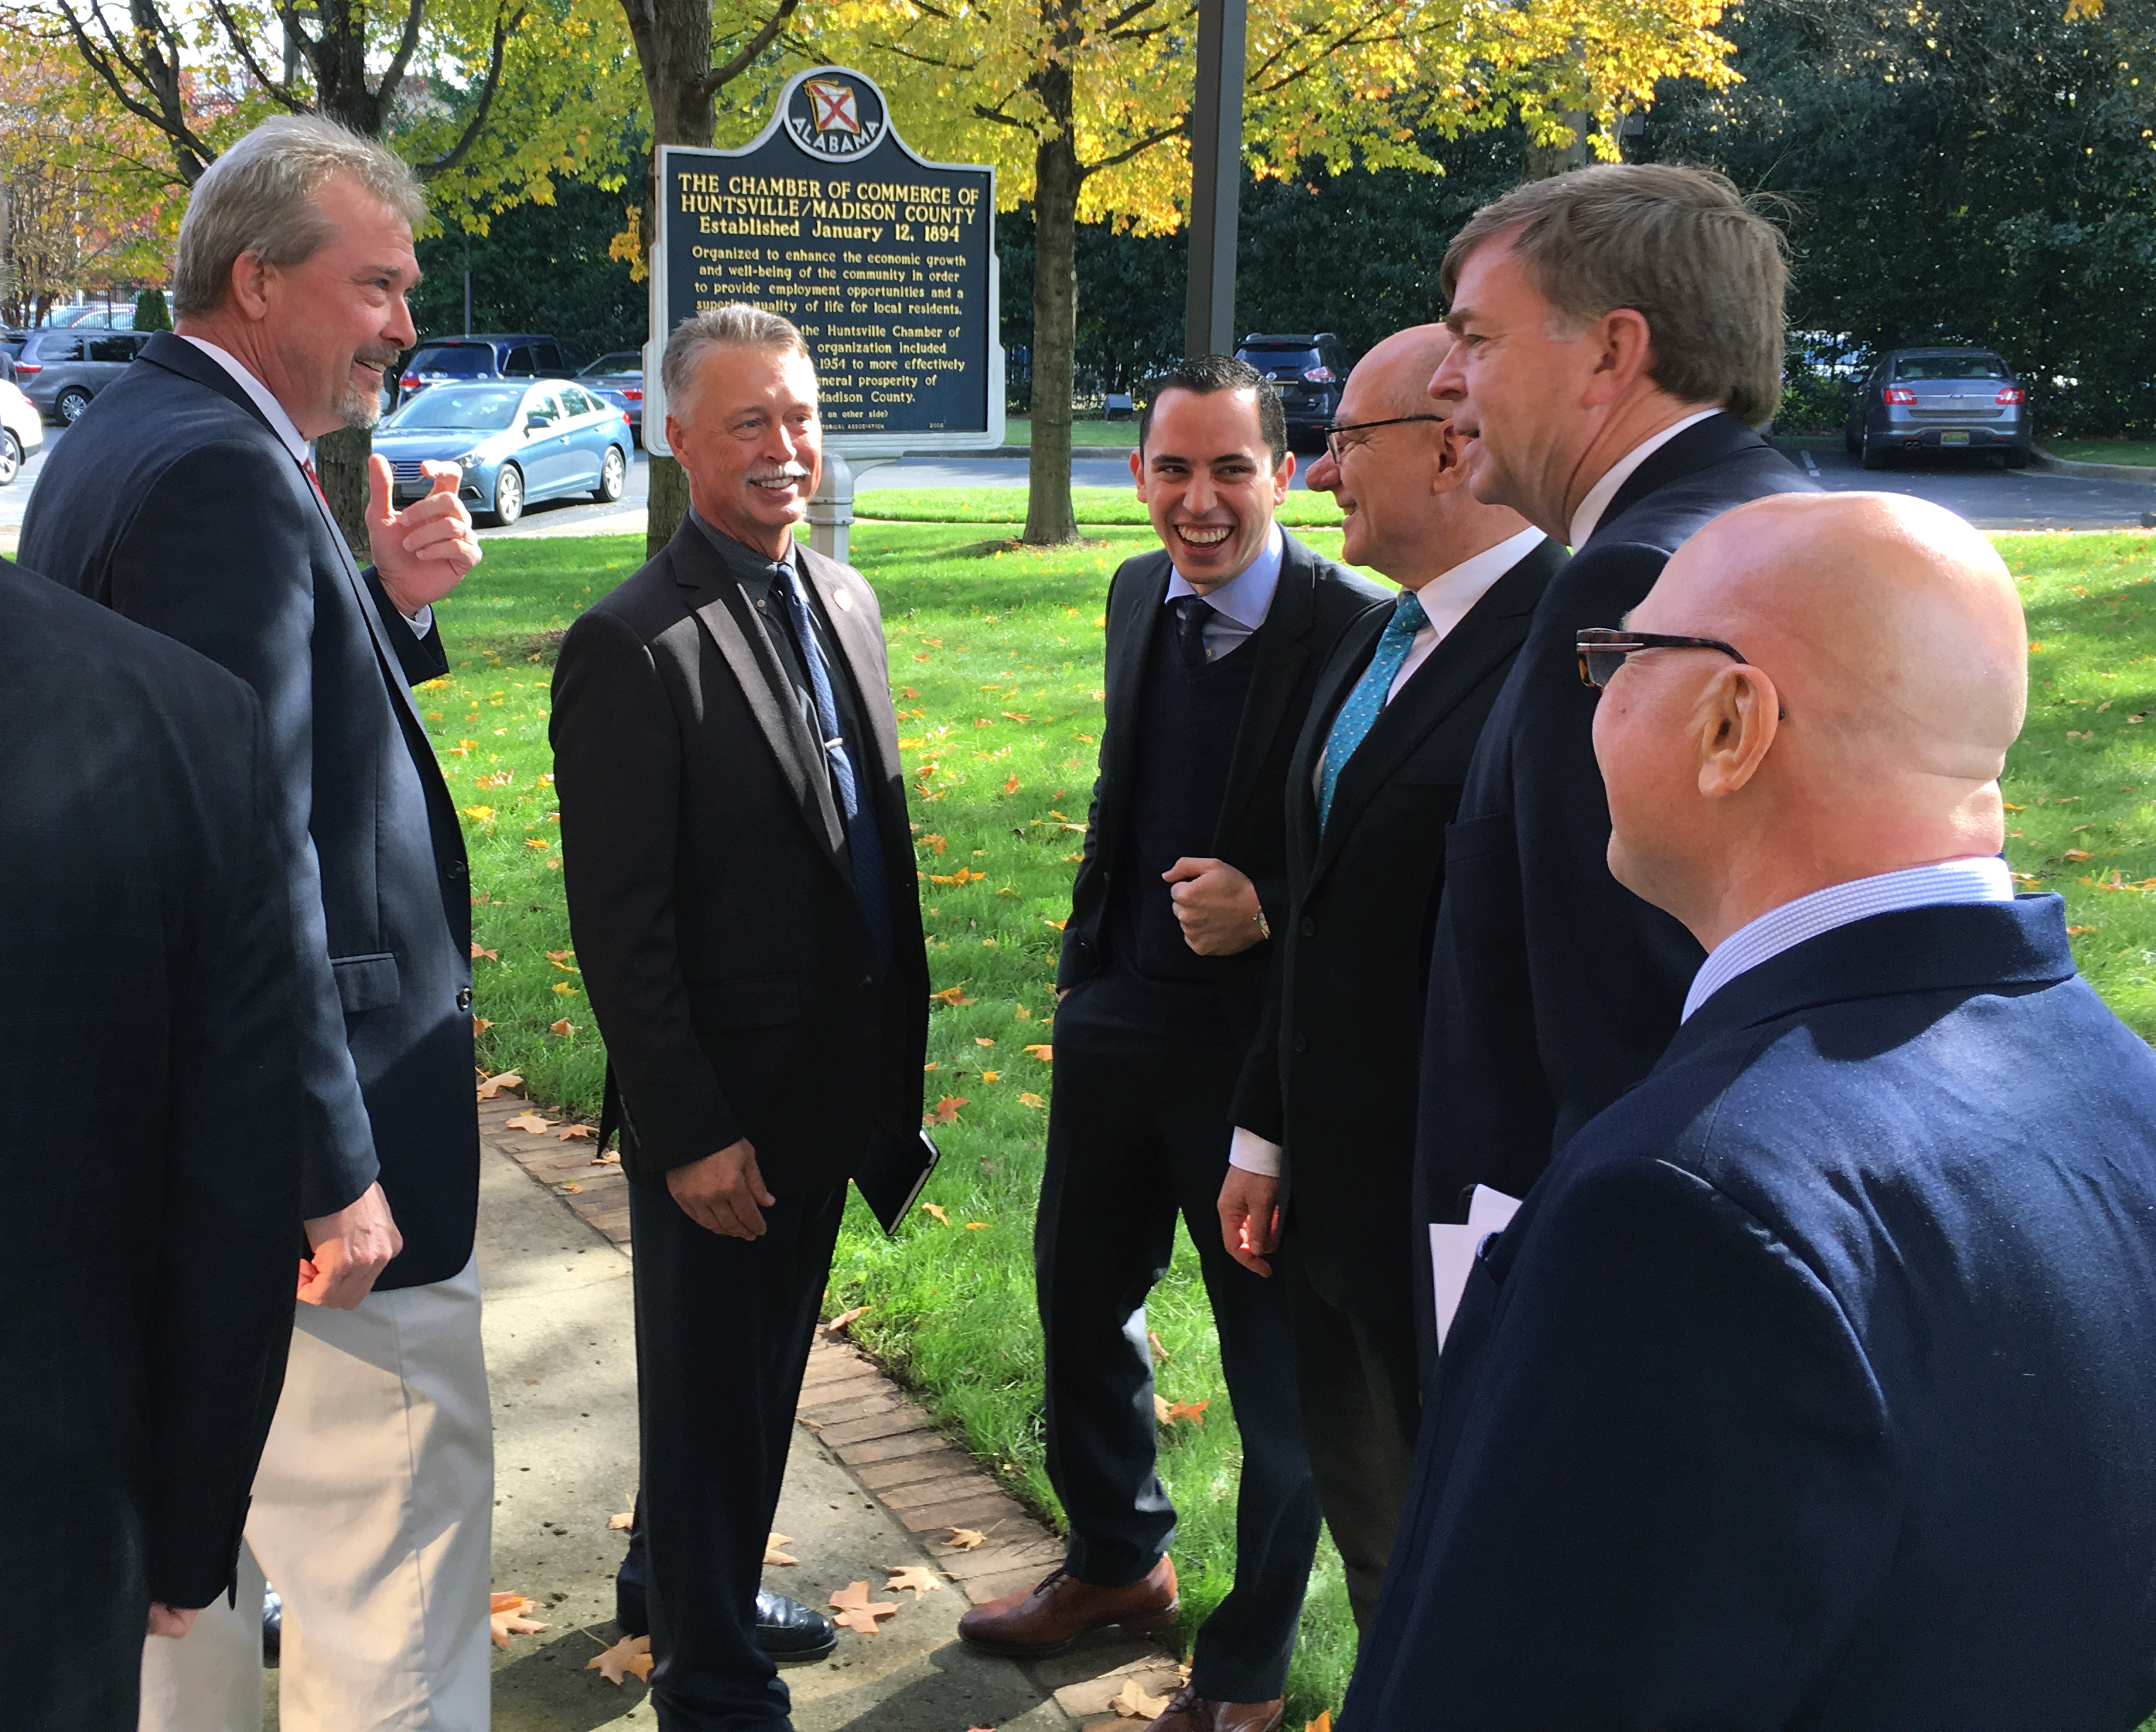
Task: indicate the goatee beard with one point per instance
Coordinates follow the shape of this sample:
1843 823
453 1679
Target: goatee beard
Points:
359 409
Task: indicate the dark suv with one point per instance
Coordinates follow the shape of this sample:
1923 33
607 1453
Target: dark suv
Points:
60 371
1309 373
1940 400
464 360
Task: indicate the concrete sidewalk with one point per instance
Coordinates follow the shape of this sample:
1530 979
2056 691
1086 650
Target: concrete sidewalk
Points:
561 1356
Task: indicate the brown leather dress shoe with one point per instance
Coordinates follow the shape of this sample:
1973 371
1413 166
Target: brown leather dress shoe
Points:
1190 1712
1046 1619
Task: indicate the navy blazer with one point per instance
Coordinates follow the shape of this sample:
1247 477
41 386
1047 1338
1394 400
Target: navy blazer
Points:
151 1146
1316 601
172 501
709 892
1332 1074
1812 1387
1553 989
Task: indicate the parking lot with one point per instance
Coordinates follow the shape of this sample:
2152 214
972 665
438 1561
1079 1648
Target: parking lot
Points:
1990 498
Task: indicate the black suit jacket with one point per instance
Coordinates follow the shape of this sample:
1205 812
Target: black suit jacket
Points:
174 503
151 1144
1811 1386
1316 601
1553 989
728 963
1331 1074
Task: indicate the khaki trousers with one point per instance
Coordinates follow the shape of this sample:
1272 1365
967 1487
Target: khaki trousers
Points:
372 1519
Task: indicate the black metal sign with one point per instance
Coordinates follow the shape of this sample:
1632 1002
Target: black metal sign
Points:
886 262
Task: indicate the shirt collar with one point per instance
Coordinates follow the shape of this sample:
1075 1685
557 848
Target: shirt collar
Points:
1980 878
1247 597
258 393
743 562
1447 599
1588 517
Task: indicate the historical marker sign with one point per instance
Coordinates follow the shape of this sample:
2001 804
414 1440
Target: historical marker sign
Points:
886 262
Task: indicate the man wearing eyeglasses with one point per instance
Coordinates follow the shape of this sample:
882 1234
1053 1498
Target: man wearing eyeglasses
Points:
1617 327
1810 1387
1321 1163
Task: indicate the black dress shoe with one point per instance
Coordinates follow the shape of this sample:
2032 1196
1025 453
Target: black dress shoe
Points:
273 1627
790 1631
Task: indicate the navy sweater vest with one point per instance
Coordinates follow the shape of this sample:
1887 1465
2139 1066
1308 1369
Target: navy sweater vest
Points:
1187 720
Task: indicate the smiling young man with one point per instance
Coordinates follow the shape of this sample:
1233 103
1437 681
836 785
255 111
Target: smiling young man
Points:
1617 329
1214 646
185 499
742 891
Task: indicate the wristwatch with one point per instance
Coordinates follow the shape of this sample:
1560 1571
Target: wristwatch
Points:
1265 926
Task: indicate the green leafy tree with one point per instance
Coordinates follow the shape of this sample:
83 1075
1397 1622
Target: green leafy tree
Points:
150 312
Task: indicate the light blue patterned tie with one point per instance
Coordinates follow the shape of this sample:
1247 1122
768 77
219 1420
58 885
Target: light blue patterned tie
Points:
1359 714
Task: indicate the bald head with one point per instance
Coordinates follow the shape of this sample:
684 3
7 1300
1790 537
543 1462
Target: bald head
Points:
1885 677
1402 483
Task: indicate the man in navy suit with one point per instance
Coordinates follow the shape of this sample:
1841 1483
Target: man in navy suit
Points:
186 499
1810 1386
1617 329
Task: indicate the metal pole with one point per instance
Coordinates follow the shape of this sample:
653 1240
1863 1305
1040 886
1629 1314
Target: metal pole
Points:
1216 163
467 282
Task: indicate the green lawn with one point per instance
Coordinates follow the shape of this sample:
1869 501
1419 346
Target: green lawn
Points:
996 662
1004 507
2136 451
1123 431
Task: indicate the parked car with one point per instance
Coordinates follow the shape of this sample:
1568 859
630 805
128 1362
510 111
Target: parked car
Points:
1309 373
61 370
22 432
516 443
1940 400
619 380
93 315
458 360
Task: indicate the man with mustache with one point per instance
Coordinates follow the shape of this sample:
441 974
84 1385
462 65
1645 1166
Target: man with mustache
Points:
742 890
1213 649
185 499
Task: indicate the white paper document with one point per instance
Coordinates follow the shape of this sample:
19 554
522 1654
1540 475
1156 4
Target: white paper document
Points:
1452 1249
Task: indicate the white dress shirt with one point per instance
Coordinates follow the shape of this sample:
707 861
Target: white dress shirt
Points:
1446 600
1978 878
281 425
1240 604
1591 508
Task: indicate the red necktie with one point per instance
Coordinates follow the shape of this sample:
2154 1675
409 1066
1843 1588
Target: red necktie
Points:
315 481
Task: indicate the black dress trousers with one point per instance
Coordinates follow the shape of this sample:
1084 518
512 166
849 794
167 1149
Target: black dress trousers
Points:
723 1329
1139 1131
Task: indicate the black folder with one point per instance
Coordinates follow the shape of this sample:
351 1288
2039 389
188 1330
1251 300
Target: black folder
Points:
891 1174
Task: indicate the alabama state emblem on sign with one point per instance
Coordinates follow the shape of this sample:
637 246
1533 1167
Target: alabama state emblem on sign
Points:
835 116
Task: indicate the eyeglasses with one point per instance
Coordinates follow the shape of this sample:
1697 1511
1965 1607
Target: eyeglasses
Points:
1603 649
1333 429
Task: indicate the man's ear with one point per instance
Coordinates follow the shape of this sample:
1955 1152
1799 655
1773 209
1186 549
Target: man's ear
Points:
1625 349
249 283
1137 470
1283 474
1738 721
1450 470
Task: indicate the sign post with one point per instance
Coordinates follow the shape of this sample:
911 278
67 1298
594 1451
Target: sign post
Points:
885 261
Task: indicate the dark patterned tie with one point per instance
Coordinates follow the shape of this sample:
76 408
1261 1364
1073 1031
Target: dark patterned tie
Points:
1191 614
864 840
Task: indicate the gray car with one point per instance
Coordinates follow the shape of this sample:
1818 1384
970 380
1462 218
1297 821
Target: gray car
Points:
60 371
1931 400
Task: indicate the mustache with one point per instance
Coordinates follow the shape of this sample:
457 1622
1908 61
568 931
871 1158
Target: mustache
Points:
783 472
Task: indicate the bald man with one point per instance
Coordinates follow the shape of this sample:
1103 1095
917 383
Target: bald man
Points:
1326 1109
1811 1386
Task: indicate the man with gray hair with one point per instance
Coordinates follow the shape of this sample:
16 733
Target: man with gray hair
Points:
185 498
742 891
1616 328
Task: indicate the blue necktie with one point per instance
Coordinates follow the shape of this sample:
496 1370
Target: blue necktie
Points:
864 841
1359 714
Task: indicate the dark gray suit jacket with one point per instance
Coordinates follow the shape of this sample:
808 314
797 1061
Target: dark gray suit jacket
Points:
151 1144
172 501
710 893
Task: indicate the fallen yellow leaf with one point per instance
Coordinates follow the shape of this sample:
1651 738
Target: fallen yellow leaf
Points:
966 1539
632 1653
935 1209
506 1616
531 1122
774 1549
1029 1098
910 1575
621 1521
1133 1703
857 1611
494 1085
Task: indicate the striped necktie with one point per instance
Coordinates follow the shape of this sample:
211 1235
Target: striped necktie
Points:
1359 714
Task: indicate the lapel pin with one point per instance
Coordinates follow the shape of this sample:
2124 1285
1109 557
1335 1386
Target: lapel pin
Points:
845 601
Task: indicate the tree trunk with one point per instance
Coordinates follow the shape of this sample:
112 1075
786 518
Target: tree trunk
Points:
1048 517
341 464
1539 161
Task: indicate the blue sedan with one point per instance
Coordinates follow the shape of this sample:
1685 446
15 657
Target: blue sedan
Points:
516 444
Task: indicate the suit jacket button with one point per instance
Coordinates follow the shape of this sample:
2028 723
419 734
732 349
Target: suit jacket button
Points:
868 983
1302 1043
463 999
456 869
1309 928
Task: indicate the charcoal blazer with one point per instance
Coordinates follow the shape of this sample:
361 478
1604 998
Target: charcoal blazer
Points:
729 965
1553 989
172 501
1316 601
1332 1074
1811 1386
151 1146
